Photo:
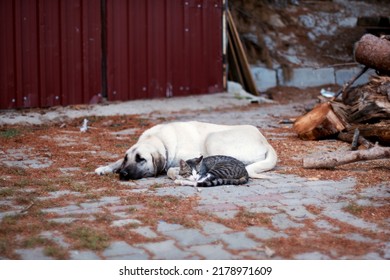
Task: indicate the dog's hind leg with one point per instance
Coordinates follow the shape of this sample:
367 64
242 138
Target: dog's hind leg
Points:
268 163
111 168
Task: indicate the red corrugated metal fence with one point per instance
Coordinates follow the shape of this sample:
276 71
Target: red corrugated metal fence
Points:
51 50
160 48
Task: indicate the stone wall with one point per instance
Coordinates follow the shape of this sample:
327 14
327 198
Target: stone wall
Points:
307 77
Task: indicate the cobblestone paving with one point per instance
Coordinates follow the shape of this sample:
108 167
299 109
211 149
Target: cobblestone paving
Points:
282 196
283 200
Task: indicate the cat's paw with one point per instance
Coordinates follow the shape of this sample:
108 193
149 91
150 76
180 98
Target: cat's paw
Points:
178 182
185 183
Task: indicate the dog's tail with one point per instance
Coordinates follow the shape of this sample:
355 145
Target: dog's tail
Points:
258 167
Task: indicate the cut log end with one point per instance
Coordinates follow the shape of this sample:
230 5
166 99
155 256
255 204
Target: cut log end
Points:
319 123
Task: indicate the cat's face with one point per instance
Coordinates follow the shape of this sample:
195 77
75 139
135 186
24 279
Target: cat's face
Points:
185 169
190 168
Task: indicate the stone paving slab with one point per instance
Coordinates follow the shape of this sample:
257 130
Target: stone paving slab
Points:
283 221
239 241
312 256
121 250
264 233
187 237
212 252
211 228
56 237
83 255
165 250
124 222
146 232
32 254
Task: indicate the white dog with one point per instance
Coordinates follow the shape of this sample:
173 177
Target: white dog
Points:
161 147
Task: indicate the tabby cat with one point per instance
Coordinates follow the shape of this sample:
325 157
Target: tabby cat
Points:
212 171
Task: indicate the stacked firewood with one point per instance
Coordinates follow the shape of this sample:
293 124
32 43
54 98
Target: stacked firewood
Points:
362 114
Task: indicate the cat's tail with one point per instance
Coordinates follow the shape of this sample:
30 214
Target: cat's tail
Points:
220 181
258 167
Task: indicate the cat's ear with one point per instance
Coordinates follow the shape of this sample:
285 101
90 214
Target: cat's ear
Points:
199 159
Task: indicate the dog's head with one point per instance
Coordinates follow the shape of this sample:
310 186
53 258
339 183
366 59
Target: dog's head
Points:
141 161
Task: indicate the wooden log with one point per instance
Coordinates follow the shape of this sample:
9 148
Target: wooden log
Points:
319 123
375 107
373 52
348 137
375 132
334 159
368 103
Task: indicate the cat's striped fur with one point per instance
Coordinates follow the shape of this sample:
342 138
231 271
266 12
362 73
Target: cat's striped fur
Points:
214 171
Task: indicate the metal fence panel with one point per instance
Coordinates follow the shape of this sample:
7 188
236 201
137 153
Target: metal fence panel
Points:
50 52
163 48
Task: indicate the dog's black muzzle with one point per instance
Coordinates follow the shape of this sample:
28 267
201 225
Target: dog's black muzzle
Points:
126 174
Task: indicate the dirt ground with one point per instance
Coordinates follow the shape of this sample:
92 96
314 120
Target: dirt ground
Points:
39 160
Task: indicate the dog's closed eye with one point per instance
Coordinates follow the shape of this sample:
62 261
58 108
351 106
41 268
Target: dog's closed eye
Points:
139 159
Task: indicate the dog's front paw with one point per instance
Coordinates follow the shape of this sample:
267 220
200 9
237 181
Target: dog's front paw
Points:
173 173
103 170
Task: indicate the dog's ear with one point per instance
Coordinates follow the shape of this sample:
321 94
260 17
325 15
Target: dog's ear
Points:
158 163
123 164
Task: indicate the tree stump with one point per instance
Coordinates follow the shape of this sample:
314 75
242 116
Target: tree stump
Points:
319 123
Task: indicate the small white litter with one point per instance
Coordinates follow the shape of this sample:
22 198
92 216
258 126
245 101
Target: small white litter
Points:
239 92
327 93
84 126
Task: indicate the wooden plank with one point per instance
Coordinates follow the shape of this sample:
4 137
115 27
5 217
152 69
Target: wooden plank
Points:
249 83
234 67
